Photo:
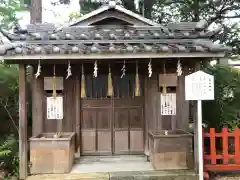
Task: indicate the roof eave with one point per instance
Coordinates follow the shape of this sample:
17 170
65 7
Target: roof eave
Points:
115 56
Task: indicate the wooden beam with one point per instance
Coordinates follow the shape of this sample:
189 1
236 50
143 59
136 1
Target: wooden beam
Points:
88 41
62 59
23 161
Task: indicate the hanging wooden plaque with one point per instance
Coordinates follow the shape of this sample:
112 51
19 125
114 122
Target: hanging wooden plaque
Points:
55 107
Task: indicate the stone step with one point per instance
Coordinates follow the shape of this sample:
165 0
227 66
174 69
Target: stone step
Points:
155 175
147 175
80 176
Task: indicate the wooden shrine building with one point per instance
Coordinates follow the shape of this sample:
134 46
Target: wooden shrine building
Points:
118 80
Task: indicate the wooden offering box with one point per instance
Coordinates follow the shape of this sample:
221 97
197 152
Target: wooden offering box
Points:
171 150
49 154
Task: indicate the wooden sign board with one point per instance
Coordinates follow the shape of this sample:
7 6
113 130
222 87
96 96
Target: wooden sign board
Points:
48 83
199 86
169 79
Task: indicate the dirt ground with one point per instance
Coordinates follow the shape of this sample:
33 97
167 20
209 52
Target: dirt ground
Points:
225 176
228 178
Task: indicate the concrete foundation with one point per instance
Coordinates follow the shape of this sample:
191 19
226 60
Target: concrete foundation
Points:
117 168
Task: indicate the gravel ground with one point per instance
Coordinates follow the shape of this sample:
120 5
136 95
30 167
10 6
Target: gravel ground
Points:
228 178
225 176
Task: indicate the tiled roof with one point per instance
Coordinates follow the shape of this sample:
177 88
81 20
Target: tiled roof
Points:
45 39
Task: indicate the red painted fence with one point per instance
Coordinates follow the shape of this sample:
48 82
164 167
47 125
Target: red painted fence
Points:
222 150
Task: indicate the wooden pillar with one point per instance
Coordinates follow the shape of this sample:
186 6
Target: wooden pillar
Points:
182 104
22 123
147 120
78 110
37 105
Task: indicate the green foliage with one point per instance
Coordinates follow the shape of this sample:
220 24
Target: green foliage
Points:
9 118
224 111
88 6
8 98
225 12
74 16
9 154
8 9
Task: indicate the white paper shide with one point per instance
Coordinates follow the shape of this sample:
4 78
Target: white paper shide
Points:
168 104
55 107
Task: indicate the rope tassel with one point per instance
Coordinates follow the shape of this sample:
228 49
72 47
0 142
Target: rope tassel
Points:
137 88
54 83
164 88
83 90
110 85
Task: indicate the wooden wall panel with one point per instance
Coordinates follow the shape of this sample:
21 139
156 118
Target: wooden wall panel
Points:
136 141
88 141
121 141
104 141
70 89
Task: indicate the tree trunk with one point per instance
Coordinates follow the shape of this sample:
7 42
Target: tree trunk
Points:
129 4
196 15
36 11
148 6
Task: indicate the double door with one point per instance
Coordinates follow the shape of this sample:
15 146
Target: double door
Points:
112 126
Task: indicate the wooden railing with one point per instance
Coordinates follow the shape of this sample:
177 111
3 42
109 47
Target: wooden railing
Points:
222 152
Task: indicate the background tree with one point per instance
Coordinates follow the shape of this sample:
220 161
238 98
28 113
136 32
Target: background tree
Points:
224 110
9 97
225 12
8 9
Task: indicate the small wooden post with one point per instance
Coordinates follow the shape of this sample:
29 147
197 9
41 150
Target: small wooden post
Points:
22 123
225 145
213 146
237 145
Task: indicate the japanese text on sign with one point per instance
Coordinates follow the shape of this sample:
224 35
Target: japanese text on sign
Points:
54 108
199 86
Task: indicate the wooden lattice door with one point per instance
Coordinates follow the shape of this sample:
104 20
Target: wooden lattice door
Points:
128 127
111 125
